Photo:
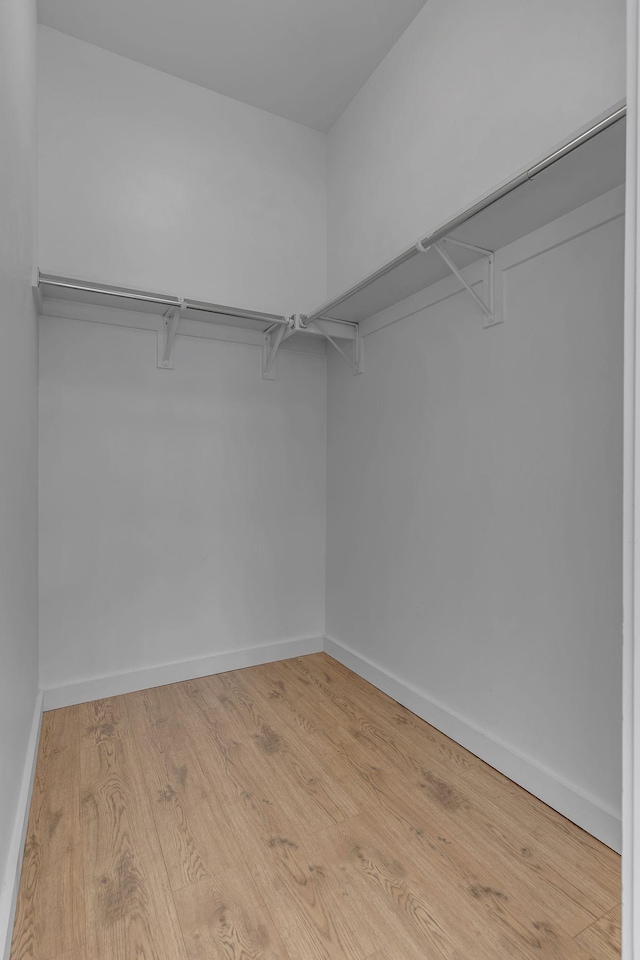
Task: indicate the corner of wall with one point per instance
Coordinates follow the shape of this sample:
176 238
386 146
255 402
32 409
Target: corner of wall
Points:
11 879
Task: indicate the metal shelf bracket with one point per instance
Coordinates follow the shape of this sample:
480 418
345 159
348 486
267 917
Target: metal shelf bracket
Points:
488 309
274 337
167 335
356 360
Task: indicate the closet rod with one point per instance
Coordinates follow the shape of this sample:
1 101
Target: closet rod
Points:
218 309
443 231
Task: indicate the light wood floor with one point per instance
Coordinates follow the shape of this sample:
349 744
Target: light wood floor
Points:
292 812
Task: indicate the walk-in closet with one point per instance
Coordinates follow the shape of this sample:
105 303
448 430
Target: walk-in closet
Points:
317 515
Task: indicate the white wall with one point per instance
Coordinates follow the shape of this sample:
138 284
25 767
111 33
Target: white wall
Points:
182 512
474 541
470 95
149 181
18 417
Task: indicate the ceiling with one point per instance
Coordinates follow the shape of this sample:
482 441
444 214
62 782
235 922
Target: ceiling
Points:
300 59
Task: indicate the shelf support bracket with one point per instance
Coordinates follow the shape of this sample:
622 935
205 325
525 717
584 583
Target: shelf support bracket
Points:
273 338
167 336
356 360
488 309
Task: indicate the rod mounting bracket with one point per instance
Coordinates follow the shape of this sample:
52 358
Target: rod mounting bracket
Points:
273 338
356 360
489 316
167 335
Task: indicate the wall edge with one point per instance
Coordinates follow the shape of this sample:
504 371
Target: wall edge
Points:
11 880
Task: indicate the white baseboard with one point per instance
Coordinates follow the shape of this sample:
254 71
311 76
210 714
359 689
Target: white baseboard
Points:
11 879
572 803
116 683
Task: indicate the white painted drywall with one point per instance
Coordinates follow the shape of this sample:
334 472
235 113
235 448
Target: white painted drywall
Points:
152 182
182 512
474 542
631 500
18 421
470 94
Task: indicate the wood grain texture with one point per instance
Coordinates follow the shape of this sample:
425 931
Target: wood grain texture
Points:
79 953
102 720
129 909
226 918
602 939
292 810
193 831
50 908
304 898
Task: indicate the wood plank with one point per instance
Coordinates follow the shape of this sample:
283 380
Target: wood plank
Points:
60 729
290 683
129 908
270 806
256 789
54 814
301 716
226 918
226 763
602 940
199 710
311 680
194 832
304 901
197 695
327 674
78 953
227 755
165 745
102 720
337 669
367 909
50 912
208 728
249 715
271 763
318 798
50 917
